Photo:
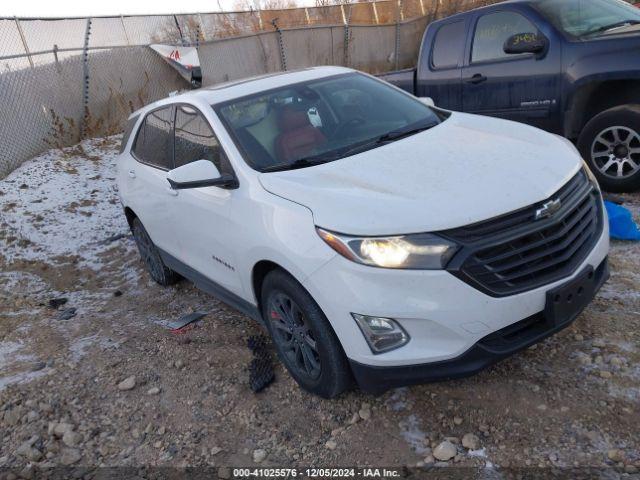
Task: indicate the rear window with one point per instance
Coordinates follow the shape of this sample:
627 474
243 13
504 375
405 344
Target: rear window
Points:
154 143
127 132
448 45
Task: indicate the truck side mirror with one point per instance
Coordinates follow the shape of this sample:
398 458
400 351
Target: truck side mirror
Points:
525 43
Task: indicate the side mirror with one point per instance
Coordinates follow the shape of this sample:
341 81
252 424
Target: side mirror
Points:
525 43
428 101
201 173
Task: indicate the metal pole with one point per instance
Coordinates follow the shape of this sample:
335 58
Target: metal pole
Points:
124 29
85 80
398 15
175 19
283 55
24 41
375 13
347 35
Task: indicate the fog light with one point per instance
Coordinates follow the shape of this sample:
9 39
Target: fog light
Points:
382 334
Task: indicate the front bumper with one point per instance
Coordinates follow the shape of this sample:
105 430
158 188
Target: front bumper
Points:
487 351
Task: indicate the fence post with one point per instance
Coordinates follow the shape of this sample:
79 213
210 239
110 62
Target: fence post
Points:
347 34
85 81
175 19
398 19
124 29
24 41
283 55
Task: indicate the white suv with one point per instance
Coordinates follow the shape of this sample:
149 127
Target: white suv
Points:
379 239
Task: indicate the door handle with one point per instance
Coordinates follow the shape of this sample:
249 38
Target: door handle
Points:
172 192
132 173
476 79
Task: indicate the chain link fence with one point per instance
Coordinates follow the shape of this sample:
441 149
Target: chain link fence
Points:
65 79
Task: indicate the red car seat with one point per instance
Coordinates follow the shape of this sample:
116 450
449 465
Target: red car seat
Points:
298 138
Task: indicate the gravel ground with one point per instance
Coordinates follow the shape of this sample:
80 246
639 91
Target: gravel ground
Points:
100 381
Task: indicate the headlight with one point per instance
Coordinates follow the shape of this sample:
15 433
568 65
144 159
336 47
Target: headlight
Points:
423 251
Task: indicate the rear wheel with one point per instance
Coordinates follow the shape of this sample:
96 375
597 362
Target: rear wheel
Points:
303 337
610 143
151 256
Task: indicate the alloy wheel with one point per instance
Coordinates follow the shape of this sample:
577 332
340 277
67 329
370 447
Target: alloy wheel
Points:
616 152
292 333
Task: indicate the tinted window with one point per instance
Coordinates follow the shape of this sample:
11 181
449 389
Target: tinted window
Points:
195 139
493 30
589 17
127 132
154 143
448 45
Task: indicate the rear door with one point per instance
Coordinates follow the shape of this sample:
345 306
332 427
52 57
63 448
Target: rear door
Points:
200 216
147 177
524 87
439 74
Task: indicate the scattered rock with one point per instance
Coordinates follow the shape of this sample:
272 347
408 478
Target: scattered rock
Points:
56 303
445 451
67 313
71 438
365 412
153 391
28 451
471 441
128 383
61 428
215 450
70 456
37 366
605 374
331 444
457 420
615 455
259 455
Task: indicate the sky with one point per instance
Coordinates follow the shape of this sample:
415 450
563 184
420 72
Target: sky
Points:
83 8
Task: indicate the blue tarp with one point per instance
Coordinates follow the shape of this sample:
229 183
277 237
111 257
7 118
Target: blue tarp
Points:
621 224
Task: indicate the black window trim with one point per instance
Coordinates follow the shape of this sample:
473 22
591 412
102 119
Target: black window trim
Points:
175 106
508 58
460 60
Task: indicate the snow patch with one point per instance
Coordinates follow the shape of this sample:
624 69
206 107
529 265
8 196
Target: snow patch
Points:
413 435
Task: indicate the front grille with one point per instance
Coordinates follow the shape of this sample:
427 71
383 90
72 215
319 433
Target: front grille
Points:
515 253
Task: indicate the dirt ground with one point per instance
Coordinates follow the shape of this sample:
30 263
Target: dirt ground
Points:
570 402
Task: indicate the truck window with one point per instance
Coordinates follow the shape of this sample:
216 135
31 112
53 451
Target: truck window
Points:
493 30
448 45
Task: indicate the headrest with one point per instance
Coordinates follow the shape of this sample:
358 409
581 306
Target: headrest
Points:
290 119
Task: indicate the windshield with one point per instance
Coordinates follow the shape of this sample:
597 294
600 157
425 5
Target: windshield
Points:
322 120
580 18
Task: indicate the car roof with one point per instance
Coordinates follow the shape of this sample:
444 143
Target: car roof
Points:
223 92
487 7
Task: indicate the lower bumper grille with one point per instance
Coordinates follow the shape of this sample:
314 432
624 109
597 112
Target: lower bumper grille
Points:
517 253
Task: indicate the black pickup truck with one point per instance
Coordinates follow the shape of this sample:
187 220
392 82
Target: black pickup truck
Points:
571 67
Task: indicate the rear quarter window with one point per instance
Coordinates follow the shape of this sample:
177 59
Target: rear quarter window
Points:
127 132
448 45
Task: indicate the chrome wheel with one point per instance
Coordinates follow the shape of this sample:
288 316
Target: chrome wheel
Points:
616 152
292 333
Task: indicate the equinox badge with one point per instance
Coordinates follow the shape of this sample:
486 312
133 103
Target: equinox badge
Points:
548 209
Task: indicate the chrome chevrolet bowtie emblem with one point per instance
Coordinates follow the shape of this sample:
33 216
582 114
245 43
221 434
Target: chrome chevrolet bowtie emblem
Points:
548 209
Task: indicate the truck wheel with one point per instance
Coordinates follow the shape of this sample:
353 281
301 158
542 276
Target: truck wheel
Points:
610 143
304 339
151 256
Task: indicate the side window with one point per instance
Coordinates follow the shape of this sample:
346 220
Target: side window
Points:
195 140
448 45
493 30
154 143
127 132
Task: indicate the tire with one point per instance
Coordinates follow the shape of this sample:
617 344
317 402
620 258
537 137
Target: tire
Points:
151 256
610 144
296 323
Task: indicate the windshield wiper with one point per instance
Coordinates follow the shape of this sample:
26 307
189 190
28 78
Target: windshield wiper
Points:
300 163
613 26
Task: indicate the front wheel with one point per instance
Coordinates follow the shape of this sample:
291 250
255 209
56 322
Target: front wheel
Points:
303 337
610 143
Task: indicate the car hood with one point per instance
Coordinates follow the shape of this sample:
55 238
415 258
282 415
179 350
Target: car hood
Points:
465 170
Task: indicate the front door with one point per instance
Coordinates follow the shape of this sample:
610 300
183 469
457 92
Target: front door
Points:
200 216
524 88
